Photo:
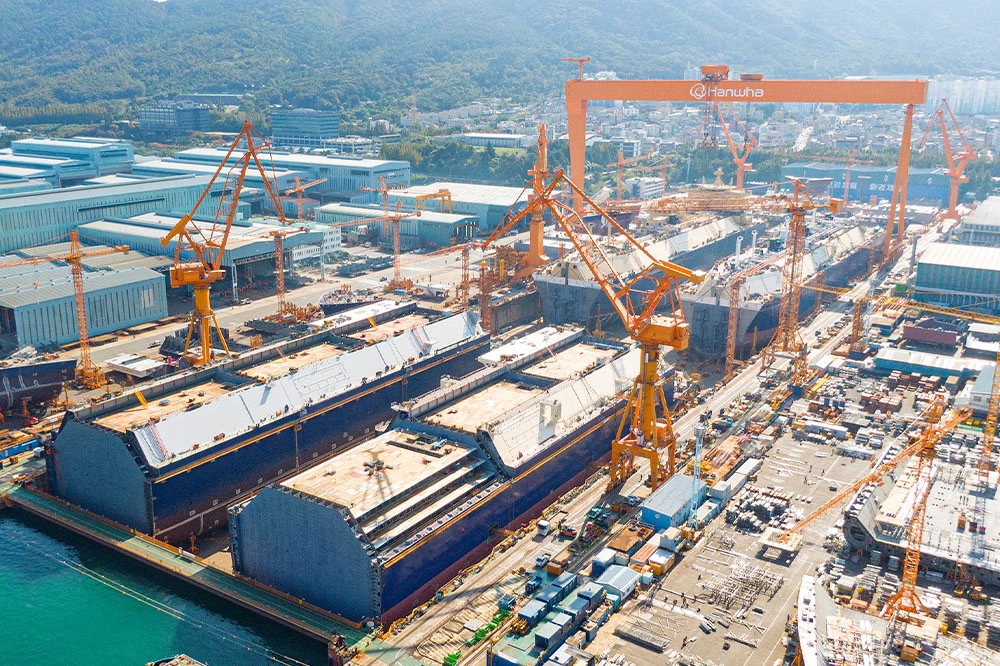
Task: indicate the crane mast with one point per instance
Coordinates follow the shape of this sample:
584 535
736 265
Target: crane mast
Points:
87 372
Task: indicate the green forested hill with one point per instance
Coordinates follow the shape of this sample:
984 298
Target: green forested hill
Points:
372 55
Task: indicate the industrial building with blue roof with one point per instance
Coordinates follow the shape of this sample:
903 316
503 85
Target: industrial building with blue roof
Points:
671 503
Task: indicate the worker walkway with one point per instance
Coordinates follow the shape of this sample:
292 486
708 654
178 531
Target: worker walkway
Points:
270 603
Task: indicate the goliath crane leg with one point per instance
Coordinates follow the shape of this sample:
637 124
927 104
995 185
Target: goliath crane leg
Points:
647 435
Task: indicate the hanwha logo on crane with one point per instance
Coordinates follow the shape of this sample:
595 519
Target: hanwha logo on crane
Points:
699 90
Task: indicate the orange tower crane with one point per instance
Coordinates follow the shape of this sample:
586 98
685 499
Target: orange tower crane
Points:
536 257
664 170
299 190
580 62
384 191
956 170
621 164
464 286
209 246
641 432
787 338
790 540
87 372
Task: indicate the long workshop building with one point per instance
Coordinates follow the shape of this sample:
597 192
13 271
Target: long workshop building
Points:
373 532
169 465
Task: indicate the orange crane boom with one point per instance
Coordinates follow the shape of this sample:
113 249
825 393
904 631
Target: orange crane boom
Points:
209 246
300 189
640 433
749 142
791 538
956 170
87 372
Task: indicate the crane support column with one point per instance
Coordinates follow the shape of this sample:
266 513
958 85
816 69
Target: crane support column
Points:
897 206
786 338
576 126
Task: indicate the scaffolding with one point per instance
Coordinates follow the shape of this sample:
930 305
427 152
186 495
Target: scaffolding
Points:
740 589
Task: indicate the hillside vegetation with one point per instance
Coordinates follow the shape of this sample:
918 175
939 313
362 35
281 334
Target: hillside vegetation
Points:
374 56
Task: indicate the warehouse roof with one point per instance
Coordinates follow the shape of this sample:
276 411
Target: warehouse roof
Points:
375 211
79 194
962 256
75 142
181 433
177 166
935 364
26 290
986 213
673 495
495 195
215 155
984 382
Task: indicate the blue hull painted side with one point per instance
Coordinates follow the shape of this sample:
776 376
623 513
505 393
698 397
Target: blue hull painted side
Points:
39 382
413 579
415 576
207 486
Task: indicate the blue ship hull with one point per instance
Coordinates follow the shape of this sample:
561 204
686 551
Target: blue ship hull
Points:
39 382
186 499
472 535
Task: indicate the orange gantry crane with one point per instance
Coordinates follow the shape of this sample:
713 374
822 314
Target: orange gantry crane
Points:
299 191
715 86
641 432
442 195
956 170
87 372
209 245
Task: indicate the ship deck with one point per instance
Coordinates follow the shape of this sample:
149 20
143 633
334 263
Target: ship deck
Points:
482 406
280 366
351 479
164 405
390 328
570 362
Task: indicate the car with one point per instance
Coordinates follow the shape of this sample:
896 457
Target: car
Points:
633 500
542 560
244 301
154 343
384 278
